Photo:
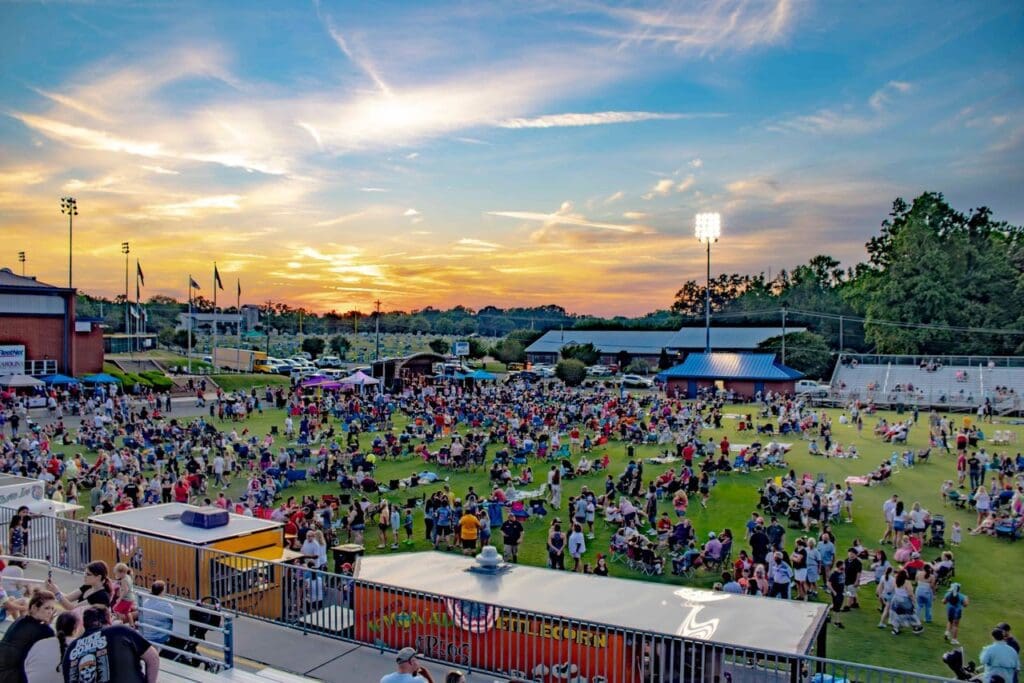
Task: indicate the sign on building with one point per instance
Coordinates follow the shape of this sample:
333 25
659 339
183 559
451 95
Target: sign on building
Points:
12 359
461 348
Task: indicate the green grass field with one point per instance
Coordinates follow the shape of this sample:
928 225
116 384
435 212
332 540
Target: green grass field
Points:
988 568
233 382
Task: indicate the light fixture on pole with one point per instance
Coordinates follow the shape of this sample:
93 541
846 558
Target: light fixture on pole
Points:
708 228
125 249
21 260
69 206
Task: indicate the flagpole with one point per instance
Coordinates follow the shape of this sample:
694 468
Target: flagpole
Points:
190 323
238 310
213 352
138 307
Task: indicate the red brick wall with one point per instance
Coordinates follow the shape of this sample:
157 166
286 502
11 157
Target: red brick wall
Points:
88 352
43 337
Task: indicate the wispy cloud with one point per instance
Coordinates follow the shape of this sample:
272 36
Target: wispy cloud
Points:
372 189
411 212
601 118
72 103
849 119
565 216
360 60
160 170
475 245
666 186
700 28
881 97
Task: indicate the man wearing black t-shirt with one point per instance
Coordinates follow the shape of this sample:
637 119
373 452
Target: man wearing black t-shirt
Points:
853 567
512 532
109 654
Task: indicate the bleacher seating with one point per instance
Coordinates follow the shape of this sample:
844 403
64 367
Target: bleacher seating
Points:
955 386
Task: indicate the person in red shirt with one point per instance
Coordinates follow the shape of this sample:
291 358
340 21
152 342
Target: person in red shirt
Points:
688 451
181 491
915 563
724 446
125 504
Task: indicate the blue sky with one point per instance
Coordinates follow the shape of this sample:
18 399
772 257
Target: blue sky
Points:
331 153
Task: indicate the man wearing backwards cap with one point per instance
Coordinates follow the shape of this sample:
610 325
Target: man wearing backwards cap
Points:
409 669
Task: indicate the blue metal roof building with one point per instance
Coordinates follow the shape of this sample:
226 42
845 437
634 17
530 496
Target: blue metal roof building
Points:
743 373
650 343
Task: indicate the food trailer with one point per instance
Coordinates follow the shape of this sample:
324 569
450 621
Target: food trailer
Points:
543 625
16 492
234 562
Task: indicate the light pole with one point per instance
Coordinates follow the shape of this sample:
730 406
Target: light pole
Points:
69 205
125 249
21 260
708 228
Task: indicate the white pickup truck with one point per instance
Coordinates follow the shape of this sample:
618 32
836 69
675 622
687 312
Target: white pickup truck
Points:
808 387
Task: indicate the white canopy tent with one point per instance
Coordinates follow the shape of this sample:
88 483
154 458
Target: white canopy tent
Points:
20 381
359 378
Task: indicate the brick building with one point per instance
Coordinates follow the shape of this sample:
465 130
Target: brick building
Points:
41 318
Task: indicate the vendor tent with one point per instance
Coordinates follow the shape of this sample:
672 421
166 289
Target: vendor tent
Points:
59 380
101 378
481 375
20 381
359 378
316 381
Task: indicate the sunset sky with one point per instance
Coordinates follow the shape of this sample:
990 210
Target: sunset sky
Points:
519 153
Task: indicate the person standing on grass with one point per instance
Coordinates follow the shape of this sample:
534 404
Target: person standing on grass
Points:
955 601
852 567
836 584
556 546
577 546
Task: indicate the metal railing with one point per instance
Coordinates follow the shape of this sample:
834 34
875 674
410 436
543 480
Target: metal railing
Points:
496 639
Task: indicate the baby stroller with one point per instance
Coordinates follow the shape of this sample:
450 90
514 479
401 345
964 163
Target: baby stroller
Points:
954 659
937 539
200 622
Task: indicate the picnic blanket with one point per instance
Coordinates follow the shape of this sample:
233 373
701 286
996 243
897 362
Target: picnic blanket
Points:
662 460
527 494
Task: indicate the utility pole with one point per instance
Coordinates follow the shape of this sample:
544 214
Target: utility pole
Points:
785 308
21 258
840 334
376 355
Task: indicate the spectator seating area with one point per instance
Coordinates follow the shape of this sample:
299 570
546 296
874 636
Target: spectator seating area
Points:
930 382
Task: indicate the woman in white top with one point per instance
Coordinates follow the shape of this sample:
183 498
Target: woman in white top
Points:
917 519
42 664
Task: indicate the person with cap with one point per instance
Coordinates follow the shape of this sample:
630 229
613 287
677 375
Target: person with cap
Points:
1001 661
409 669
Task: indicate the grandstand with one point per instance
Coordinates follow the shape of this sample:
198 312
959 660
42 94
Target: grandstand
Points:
951 382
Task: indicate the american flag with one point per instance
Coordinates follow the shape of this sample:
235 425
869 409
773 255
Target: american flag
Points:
474 617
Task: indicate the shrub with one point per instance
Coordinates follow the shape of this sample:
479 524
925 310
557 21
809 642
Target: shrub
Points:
638 367
571 371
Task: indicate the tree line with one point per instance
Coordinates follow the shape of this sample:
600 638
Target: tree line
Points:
936 280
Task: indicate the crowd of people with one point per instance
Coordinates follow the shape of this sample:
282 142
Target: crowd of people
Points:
132 451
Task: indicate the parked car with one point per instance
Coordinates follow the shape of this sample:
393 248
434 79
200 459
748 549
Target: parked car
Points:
808 387
637 381
544 371
599 371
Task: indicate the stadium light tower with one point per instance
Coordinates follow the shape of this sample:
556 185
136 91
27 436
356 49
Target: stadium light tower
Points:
69 206
708 228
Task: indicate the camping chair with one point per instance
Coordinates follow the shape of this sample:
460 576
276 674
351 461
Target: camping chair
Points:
537 507
1010 529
